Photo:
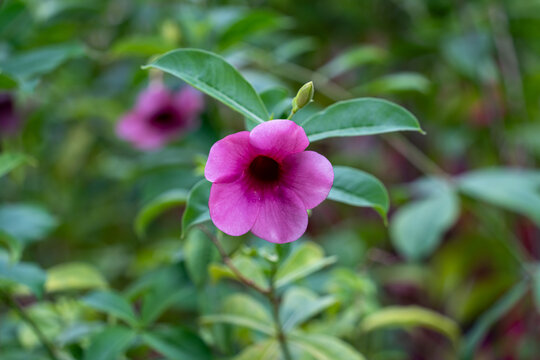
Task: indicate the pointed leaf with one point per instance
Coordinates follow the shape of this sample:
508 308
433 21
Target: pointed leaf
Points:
111 303
197 210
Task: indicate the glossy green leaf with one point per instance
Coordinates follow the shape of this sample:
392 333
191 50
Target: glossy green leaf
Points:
305 260
40 61
365 116
212 75
74 276
112 304
411 316
26 222
353 58
197 210
489 318
324 347
300 304
417 228
110 343
27 274
512 189
157 206
358 188
177 343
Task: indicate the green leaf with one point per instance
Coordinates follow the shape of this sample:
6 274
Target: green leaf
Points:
40 61
396 83
366 116
411 316
300 304
512 189
199 252
243 310
144 46
7 83
177 343
353 58
358 188
212 75
305 260
417 228
25 222
156 302
157 206
277 101
265 350
324 347
112 304
110 343
490 317
197 210
27 274
74 276
9 161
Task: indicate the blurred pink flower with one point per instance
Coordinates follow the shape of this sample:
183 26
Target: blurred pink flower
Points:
9 119
264 181
160 116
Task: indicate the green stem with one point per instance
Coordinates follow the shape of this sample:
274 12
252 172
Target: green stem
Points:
275 301
49 347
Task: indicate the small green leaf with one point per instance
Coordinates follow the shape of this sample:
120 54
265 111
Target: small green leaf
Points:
27 274
490 317
112 304
417 228
324 347
110 343
358 188
177 343
26 222
246 265
157 206
241 321
74 276
396 83
365 116
196 206
412 316
300 304
212 75
305 260
143 46
512 189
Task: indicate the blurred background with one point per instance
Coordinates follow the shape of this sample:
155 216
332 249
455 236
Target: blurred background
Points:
83 210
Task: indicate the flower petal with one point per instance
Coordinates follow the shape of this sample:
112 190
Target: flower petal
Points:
279 138
233 206
310 175
228 158
189 103
156 96
282 217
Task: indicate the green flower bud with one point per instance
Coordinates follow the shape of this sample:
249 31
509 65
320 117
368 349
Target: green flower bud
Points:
303 97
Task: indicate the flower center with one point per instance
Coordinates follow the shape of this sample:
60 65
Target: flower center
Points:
264 169
165 119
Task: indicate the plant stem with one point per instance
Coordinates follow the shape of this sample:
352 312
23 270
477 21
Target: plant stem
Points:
269 293
227 260
10 302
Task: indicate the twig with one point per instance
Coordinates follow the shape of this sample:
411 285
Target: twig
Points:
227 260
49 347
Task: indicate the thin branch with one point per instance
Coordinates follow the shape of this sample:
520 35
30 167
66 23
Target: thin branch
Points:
227 260
49 347
275 301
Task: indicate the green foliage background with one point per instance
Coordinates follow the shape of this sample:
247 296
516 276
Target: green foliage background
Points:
99 258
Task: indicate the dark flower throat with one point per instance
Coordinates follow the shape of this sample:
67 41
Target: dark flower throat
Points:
264 169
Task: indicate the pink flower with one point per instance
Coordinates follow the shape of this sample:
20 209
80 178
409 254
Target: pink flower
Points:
264 181
160 116
10 122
